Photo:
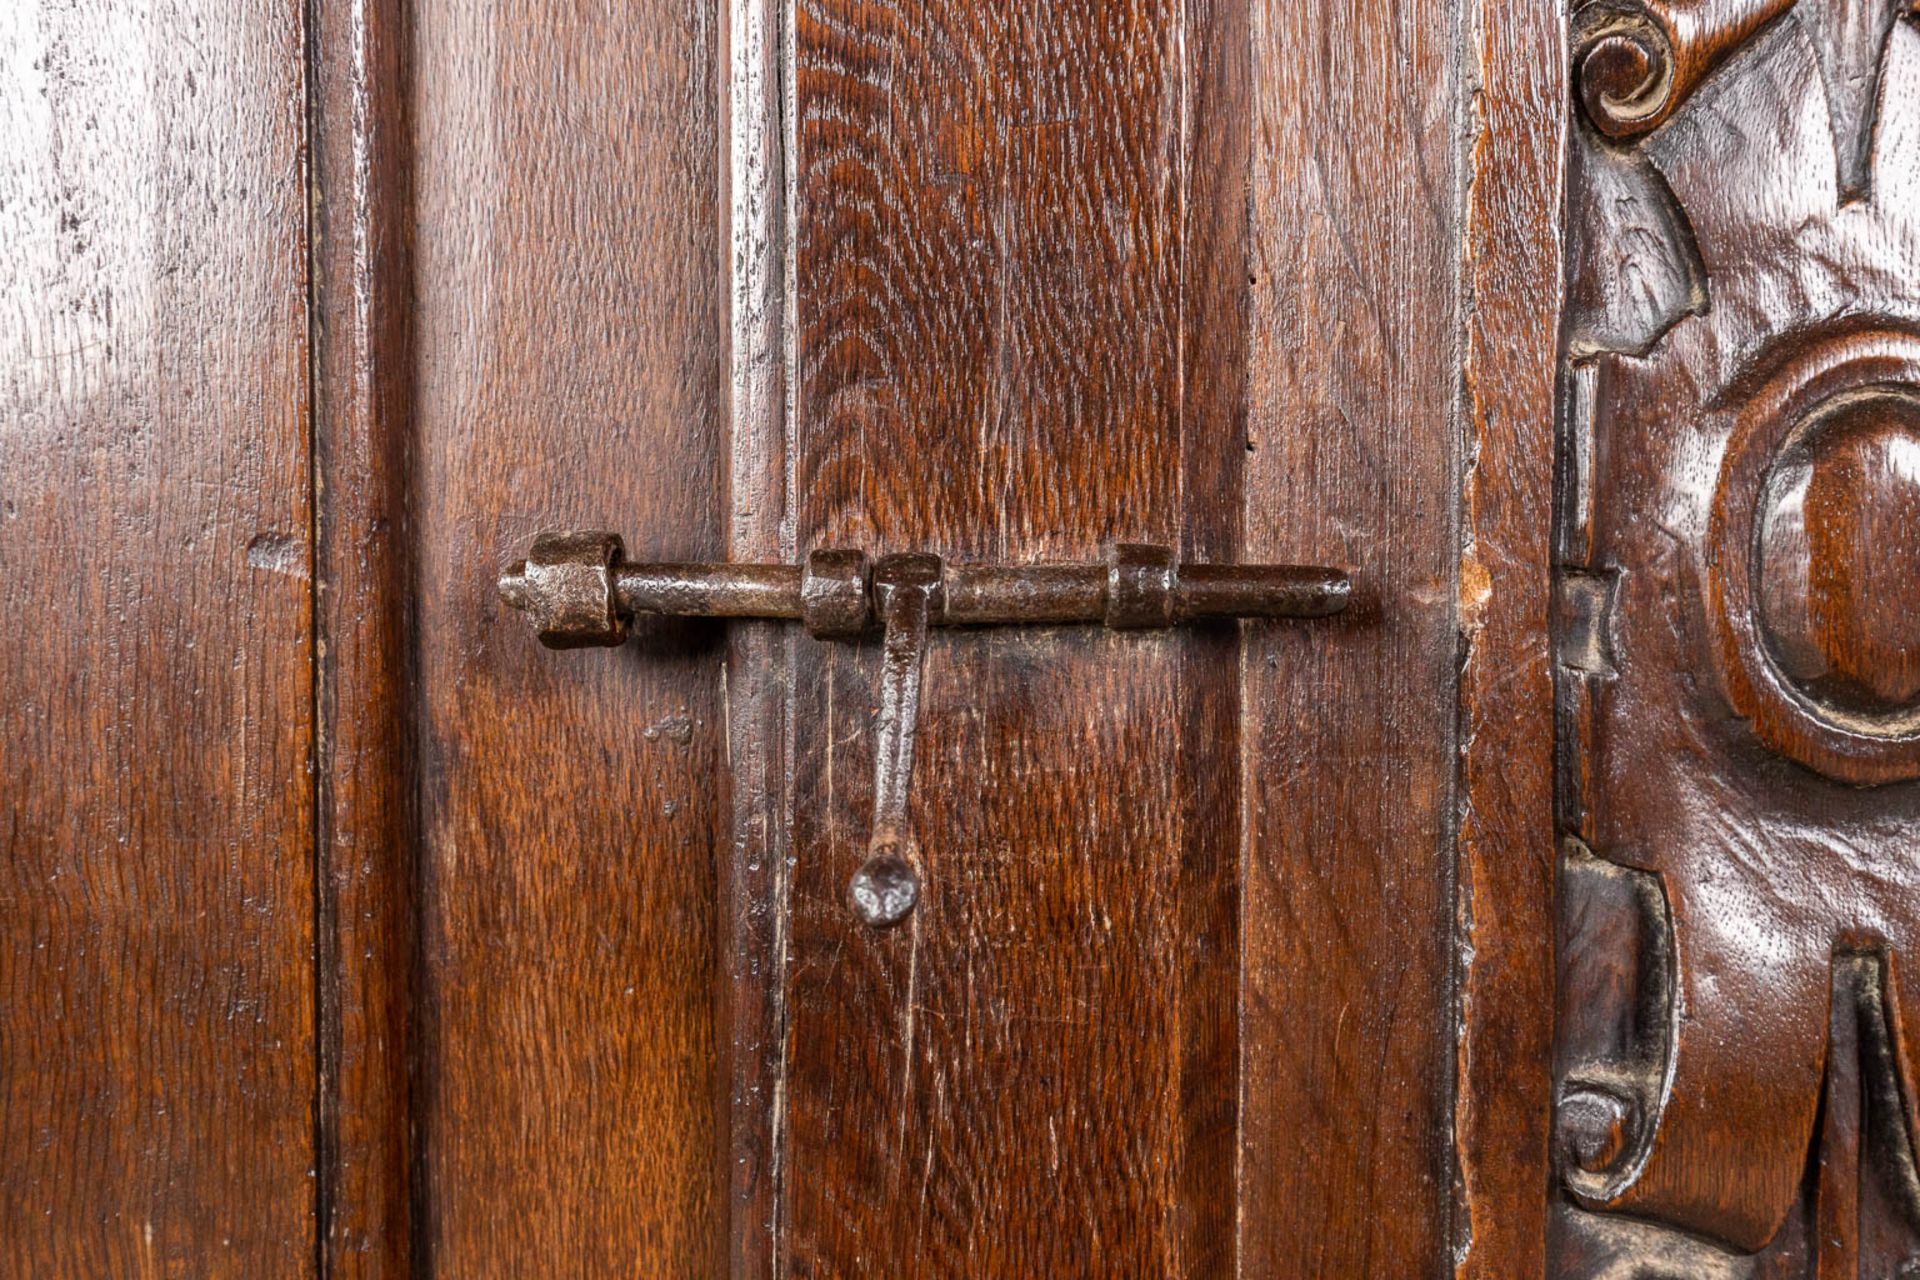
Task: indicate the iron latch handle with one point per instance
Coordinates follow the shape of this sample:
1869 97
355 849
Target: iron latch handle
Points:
578 589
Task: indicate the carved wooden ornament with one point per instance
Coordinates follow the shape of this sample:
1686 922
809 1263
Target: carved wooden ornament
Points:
1739 635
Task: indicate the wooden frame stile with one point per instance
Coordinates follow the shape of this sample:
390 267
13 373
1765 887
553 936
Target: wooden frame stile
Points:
366 815
1515 108
1353 458
753 870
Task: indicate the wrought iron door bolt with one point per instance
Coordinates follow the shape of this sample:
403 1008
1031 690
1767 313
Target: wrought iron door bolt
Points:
578 589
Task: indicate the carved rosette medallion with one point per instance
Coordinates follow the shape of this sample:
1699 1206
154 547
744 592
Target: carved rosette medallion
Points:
1738 643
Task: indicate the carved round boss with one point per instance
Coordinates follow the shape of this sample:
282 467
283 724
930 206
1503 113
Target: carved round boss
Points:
1816 571
1839 557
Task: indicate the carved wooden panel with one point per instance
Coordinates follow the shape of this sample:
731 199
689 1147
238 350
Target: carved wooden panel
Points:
1738 644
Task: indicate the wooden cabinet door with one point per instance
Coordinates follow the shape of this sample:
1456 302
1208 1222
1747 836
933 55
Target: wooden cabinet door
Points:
1542 915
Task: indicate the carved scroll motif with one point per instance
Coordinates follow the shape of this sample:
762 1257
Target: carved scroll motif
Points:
1739 642
1637 63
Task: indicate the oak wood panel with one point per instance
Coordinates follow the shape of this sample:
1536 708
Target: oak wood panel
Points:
156 893
362 376
1503 896
570 372
1347 1033
995 239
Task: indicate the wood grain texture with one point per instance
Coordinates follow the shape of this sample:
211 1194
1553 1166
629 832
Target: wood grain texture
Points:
1347 1032
156 894
362 376
570 372
996 253
1503 895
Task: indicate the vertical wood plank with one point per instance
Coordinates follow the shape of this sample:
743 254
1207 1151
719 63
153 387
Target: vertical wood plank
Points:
1504 897
1214 157
995 229
156 832
570 372
755 872
1347 1036
359 153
